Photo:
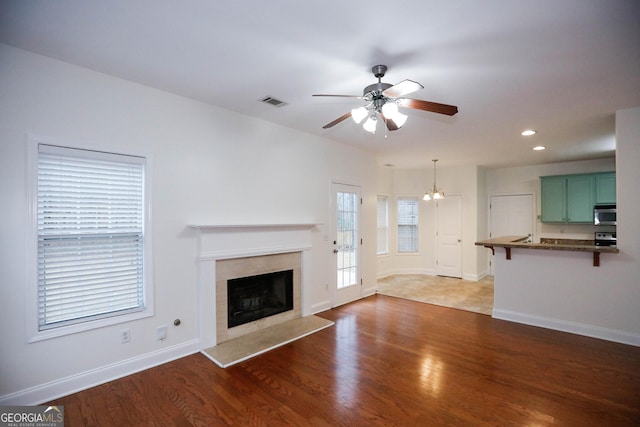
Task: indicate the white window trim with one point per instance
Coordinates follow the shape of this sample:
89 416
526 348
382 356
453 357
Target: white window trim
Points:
33 332
386 252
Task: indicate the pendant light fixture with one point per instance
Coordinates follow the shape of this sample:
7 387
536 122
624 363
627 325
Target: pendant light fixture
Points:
435 194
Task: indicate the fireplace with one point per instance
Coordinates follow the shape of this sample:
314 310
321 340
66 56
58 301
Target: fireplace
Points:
255 297
256 292
228 251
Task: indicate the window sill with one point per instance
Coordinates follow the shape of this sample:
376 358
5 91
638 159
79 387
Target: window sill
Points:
88 326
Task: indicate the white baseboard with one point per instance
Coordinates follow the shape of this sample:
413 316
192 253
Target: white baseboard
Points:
369 291
320 307
84 380
614 335
425 271
475 277
432 272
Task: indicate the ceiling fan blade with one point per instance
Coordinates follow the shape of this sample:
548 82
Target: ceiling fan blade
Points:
405 87
336 121
340 96
433 107
391 125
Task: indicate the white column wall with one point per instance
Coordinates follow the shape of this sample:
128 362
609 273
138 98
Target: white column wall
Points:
565 291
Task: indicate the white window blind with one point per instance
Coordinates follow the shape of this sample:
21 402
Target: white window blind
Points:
383 225
90 221
408 225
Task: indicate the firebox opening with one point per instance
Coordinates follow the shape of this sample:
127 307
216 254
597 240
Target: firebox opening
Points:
255 297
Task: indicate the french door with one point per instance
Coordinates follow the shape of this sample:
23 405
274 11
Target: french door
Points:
346 284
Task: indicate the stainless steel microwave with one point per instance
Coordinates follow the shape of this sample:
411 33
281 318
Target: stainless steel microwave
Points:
604 215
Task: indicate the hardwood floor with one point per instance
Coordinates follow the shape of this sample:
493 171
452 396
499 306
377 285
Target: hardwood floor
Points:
387 361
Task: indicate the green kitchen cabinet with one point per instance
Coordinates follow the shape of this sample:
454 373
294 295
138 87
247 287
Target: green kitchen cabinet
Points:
570 198
580 198
554 199
606 188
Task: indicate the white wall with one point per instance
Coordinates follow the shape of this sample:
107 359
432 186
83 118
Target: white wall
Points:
210 165
563 290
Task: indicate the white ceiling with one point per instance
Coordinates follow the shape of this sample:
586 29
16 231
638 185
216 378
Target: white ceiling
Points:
560 67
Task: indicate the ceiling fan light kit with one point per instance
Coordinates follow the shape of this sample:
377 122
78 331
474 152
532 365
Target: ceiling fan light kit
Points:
399 119
358 114
370 124
383 100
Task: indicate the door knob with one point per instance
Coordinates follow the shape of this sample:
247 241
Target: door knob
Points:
335 251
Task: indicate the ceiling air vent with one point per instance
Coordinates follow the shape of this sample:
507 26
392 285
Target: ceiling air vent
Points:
273 101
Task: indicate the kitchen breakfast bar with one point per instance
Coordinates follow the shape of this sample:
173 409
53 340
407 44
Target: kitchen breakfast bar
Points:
561 284
547 244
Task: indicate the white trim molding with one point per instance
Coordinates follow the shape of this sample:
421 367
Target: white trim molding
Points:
571 327
84 380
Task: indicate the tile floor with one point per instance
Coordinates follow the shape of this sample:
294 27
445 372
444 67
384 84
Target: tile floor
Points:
445 291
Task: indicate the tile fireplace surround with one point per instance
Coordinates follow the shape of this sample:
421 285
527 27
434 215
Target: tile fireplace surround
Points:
231 251
235 268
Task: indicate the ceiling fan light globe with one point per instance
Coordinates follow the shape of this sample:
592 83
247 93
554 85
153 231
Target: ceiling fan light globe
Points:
370 124
358 114
390 110
426 197
438 195
399 119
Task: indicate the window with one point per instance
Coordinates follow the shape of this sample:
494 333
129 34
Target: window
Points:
91 250
383 225
408 225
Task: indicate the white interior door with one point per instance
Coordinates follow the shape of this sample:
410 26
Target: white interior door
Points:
449 237
510 215
346 283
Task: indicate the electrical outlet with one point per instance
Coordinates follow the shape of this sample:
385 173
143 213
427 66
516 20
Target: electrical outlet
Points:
125 335
161 333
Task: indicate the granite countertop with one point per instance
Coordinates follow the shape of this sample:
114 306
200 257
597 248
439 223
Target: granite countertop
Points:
547 244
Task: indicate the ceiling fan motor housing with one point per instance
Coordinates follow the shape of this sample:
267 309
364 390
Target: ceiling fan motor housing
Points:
375 90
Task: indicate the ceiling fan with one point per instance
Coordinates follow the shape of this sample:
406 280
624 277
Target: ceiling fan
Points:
383 100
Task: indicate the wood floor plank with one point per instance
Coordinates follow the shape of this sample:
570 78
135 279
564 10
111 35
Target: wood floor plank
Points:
387 361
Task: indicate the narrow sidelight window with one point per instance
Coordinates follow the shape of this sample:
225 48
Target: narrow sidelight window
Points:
383 225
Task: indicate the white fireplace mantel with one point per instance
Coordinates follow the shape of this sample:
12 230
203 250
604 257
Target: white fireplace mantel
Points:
227 241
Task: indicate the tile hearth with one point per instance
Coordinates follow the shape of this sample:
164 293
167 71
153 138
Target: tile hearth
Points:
242 348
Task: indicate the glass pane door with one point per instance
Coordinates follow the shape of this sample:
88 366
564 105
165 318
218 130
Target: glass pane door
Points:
347 238
346 283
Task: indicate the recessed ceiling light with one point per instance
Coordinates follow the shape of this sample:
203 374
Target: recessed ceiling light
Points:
528 132
539 148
